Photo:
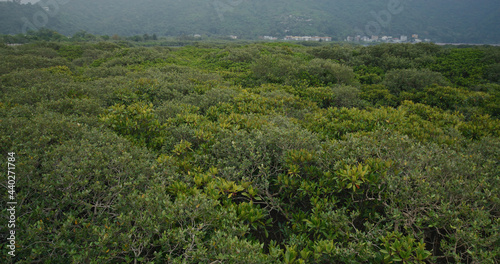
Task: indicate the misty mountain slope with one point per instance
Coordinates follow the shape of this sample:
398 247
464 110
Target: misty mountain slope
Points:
474 21
452 20
14 18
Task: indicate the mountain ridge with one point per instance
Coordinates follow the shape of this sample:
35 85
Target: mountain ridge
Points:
440 20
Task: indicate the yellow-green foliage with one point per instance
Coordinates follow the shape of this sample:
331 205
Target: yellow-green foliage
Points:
419 121
136 122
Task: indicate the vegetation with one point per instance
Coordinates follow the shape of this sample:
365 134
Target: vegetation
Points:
258 153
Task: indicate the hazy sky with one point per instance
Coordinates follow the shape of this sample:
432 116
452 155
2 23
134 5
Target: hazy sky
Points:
22 1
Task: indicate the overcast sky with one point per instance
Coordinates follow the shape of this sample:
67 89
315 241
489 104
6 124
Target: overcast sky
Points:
22 1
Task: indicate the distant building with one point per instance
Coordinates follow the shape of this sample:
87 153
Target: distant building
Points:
415 36
394 40
427 40
197 36
308 38
233 37
322 38
357 38
349 38
374 38
269 38
403 38
417 40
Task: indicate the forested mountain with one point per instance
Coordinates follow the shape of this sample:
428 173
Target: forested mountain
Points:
15 17
442 20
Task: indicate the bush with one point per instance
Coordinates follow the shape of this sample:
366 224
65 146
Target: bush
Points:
456 219
212 97
342 54
276 69
82 182
13 63
26 87
412 80
70 52
75 106
234 57
492 73
137 122
347 96
258 155
378 95
463 67
321 72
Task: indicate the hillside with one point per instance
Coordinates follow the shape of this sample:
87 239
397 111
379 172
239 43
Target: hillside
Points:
14 18
442 21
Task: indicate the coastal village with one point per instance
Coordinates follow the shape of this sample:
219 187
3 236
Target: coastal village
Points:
298 38
380 39
388 39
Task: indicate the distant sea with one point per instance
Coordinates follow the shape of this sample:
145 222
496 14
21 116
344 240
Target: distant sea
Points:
466 44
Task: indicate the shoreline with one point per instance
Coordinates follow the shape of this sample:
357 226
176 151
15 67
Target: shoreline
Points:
466 44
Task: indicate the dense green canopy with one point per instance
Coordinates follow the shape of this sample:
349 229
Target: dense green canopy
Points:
255 153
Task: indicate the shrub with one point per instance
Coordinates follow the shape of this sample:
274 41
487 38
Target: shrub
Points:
321 72
275 69
137 122
378 95
27 87
259 154
234 57
343 54
212 97
463 67
347 96
70 52
398 81
13 63
82 182
75 106
492 73
458 217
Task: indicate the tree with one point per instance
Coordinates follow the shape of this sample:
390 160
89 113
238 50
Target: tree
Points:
407 80
326 72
